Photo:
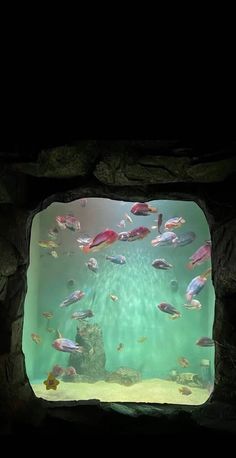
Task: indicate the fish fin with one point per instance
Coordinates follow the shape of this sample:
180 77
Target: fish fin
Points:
59 334
190 265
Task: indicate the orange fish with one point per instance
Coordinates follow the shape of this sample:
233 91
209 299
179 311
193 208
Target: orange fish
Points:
183 362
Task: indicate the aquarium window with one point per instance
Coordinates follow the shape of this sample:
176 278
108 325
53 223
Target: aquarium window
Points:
120 302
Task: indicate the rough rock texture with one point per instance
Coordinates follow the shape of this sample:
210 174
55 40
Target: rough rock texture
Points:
129 170
124 376
90 363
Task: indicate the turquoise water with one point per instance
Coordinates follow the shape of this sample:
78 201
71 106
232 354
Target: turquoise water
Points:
137 284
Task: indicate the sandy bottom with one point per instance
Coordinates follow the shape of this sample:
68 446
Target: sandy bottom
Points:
153 390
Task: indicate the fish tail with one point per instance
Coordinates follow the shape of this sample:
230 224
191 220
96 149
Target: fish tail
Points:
154 242
152 209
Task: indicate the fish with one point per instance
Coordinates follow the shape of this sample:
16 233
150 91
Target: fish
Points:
53 233
82 314
128 218
185 390
92 265
67 346
142 339
196 285
36 338
168 308
205 342
193 305
57 371
202 254
120 347
54 254
118 259
84 240
68 222
183 362
50 330
123 236
48 244
70 371
138 233
185 239
174 223
113 297
142 209
48 315
72 298
165 239
121 223
51 382
101 240
161 264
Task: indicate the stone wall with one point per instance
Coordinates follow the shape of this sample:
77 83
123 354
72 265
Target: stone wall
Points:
135 171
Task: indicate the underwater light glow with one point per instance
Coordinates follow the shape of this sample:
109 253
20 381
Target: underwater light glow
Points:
120 302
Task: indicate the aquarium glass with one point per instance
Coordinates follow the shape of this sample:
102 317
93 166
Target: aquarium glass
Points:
120 302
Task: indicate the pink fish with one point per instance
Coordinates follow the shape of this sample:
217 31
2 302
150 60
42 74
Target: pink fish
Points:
67 345
138 233
174 222
202 254
71 371
101 240
68 222
142 209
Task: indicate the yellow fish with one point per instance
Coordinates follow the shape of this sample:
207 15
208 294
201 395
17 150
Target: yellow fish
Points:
48 244
142 339
51 382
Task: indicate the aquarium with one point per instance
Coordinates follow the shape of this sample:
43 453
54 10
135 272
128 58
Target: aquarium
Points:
120 302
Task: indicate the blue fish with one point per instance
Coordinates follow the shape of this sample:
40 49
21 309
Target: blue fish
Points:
119 259
82 314
185 239
67 345
72 298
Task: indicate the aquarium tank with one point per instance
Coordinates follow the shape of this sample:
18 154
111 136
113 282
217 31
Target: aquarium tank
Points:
120 302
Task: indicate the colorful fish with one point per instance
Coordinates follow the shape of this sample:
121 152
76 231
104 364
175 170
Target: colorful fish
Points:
165 239
36 338
142 339
161 264
193 305
202 254
57 371
113 297
183 362
138 233
82 314
142 209
174 223
205 342
101 240
48 244
67 346
118 259
92 265
72 298
121 223
70 371
68 222
185 239
168 308
128 218
196 285
48 315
